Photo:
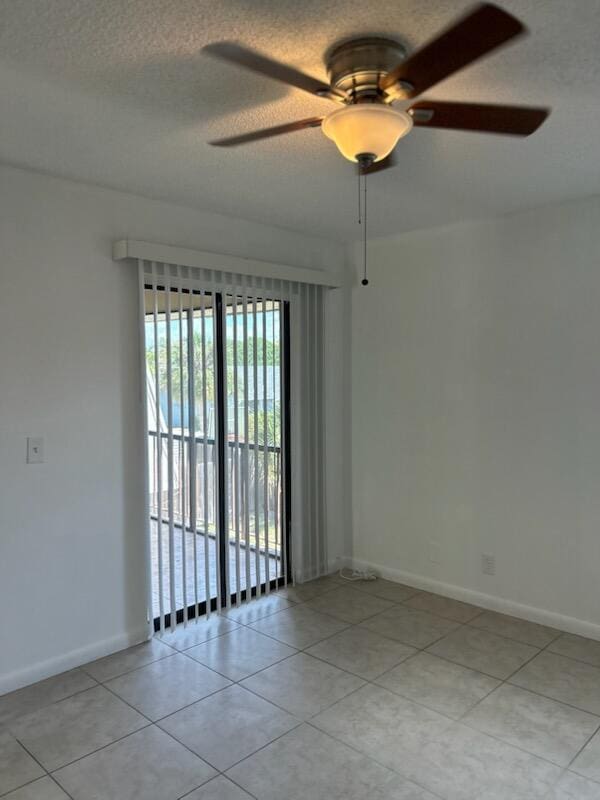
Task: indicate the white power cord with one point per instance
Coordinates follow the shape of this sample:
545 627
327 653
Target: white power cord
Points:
358 575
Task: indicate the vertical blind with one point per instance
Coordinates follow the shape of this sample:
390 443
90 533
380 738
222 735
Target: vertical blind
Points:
234 432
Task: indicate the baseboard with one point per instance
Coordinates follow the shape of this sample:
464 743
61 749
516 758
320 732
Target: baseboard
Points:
75 658
490 602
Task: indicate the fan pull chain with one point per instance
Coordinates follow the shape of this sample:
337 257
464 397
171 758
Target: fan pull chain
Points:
365 281
359 210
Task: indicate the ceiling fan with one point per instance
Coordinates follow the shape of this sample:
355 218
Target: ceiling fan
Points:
375 82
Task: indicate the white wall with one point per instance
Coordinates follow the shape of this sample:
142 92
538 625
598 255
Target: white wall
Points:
476 411
72 572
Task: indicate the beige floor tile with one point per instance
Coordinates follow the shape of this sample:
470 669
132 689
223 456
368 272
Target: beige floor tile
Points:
42 789
387 590
240 653
443 607
380 724
220 788
537 724
17 767
483 651
438 684
198 631
348 605
409 626
306 764
125 660
398 788
573 787
587 762
577 647
361 652
302 592
326 581
299 626
463 764
302 685
43 693
518 629
167 685
562 679
149 764
238 722
72 728
257 609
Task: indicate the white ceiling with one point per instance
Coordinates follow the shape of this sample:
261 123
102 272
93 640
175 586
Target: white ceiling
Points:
117 92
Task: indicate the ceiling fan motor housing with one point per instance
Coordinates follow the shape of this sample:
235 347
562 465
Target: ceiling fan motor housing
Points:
357 65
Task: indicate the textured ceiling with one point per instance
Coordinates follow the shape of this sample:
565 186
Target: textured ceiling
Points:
117 92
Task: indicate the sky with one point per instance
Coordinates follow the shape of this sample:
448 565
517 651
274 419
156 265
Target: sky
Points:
272 319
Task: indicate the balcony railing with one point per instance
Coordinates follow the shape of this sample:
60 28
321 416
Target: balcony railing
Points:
249 466
243 496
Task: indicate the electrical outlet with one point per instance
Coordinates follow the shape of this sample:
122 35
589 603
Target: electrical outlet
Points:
488 564
435 553
35 450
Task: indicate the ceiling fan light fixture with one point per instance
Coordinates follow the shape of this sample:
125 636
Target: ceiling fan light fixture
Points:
366 128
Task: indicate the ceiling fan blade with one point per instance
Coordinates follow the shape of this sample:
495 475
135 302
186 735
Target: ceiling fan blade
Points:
249 59
266 133
514 120
482 30
378 166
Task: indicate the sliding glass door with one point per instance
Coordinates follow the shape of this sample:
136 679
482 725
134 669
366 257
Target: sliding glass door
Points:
217 368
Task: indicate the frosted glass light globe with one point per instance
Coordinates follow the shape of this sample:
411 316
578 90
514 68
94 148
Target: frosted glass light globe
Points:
366 128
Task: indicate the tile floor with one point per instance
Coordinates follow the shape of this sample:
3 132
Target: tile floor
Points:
325 690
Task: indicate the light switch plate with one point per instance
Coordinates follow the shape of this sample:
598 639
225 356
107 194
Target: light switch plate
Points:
35 450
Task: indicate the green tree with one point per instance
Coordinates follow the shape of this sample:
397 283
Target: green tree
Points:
206 371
